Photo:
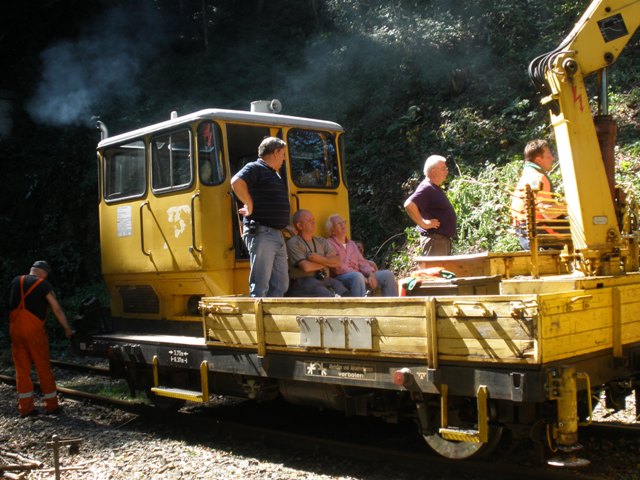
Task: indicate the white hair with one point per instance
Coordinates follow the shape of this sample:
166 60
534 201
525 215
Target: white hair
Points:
329 223
431 162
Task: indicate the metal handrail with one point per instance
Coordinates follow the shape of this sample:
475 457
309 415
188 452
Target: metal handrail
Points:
193 224
144 204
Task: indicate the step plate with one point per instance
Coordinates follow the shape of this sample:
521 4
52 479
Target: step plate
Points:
190 395
459 435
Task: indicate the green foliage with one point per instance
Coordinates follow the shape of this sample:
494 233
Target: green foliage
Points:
482 204
406 79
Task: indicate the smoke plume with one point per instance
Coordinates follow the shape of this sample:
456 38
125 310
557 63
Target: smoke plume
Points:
104 62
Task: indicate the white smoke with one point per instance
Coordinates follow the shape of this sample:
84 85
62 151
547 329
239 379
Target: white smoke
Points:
104 62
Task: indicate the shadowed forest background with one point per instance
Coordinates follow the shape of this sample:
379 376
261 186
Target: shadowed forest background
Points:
404 78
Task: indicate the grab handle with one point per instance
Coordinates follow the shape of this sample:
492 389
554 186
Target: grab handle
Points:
144 204
193 224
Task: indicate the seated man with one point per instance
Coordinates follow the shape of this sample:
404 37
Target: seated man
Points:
309 260
354 270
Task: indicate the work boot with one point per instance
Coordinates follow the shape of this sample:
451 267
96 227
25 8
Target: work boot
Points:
31 413
51 403
26 405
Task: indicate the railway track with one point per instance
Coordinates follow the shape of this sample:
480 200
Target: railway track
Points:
79 367
206 421
612 430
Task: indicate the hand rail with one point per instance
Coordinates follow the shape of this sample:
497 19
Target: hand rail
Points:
193 224
144 204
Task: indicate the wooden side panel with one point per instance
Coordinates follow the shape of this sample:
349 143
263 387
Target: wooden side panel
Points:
466 329
395 329
484 329
506 264
575 323
630 313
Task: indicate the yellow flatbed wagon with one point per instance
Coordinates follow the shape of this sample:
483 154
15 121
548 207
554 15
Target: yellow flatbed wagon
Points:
518 342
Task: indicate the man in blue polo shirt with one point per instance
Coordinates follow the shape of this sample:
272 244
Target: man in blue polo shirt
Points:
432 211
261 189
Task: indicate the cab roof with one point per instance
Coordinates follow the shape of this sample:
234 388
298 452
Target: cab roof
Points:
272 119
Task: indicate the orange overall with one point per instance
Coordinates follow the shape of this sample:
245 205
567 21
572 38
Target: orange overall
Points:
30 346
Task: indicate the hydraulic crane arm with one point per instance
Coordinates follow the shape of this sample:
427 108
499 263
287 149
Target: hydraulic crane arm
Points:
594 43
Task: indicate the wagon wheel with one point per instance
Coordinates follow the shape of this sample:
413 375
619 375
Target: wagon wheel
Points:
463 450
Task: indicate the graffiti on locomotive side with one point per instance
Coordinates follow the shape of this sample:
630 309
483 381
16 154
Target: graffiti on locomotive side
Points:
179 357
340 370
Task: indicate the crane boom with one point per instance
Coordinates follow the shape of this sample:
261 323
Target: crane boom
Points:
594 43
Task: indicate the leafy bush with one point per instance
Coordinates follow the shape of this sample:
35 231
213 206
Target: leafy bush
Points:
482 204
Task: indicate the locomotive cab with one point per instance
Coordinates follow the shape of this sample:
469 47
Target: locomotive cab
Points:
169 228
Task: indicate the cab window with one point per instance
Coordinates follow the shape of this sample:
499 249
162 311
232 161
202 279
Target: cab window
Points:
210 160
125 171
313 158
171 167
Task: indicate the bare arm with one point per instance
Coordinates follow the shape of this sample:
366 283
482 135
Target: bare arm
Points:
414 214
331 260
59 313
241 190
309 266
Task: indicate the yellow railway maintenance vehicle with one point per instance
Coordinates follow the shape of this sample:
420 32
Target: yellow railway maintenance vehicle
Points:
519 342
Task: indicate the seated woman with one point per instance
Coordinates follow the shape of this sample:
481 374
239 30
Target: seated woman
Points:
354 271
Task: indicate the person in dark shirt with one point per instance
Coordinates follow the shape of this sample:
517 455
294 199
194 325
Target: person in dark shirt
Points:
266 212
29 300
432 211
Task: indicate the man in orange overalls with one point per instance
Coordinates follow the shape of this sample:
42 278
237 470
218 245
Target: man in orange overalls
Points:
29 300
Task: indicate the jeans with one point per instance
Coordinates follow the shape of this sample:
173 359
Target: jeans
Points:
313 287
356 283
387 282
524 242
269 274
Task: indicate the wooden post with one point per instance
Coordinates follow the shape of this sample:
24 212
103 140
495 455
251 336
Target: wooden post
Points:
262 344
616 322
432 332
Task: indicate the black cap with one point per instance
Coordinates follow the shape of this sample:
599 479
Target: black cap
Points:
42 265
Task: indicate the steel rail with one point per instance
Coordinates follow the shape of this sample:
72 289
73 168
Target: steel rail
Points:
207 420
81 368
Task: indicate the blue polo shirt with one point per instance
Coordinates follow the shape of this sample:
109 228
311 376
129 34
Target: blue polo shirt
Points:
269 193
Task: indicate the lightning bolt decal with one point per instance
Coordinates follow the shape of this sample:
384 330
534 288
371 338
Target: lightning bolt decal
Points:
577 98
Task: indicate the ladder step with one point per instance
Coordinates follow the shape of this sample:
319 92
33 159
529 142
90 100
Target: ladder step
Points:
190 395
460 435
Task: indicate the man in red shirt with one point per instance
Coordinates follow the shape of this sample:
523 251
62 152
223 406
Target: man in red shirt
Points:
30 297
